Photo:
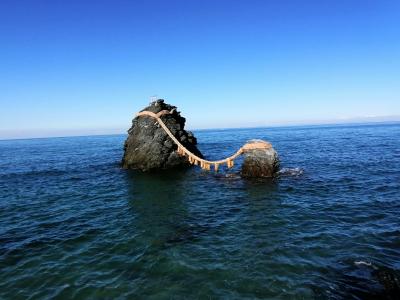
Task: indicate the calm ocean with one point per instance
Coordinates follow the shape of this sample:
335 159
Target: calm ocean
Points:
75 225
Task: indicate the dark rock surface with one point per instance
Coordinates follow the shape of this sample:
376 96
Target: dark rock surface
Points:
148 147
260 162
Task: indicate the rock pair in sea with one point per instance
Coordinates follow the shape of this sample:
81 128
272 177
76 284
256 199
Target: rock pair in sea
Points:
149 147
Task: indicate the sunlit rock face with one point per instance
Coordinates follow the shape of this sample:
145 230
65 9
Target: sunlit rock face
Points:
261 161
148 147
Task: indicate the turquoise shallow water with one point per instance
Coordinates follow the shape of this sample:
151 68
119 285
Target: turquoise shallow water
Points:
74 225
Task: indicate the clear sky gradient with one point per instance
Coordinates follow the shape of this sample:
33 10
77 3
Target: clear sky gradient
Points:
74 67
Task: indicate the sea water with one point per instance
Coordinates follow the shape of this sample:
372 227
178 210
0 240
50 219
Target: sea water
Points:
73 224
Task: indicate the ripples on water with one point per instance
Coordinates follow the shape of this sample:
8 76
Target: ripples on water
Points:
74 225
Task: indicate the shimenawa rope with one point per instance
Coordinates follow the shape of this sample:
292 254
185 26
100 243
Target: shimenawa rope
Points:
194 159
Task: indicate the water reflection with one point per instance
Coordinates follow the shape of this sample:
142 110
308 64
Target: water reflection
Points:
159 203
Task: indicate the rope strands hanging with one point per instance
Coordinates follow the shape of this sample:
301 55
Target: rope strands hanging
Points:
229 163
195 160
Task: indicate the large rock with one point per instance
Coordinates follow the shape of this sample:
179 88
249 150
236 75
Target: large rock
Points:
148 147
260 160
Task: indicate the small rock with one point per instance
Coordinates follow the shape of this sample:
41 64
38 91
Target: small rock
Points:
260 160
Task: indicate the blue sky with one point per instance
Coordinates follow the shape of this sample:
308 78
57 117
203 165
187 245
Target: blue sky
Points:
74 67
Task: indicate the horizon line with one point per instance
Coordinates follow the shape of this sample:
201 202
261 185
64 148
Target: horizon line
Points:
326 123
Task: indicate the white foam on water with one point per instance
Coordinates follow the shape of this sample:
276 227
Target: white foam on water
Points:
363 263
291 171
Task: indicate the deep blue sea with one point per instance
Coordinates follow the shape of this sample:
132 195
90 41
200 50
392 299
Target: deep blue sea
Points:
73 225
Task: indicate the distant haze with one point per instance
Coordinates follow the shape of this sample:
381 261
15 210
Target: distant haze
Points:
84 67
42 133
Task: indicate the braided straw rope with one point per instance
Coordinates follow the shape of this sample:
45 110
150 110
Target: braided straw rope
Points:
194 159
